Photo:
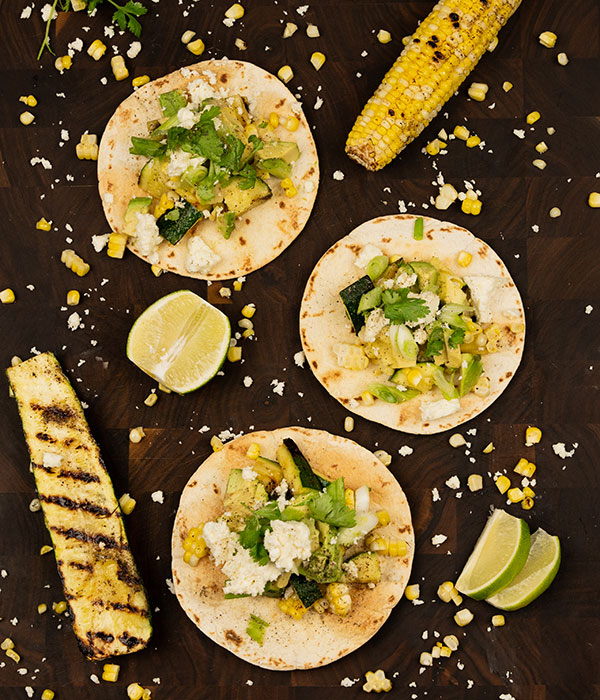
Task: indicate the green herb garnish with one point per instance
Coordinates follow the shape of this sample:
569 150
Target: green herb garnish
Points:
329 506
256 629
397 306
435 342
390 394
418 231
171 102
146 147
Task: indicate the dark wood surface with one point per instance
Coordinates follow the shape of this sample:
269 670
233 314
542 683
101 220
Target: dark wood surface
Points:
547 651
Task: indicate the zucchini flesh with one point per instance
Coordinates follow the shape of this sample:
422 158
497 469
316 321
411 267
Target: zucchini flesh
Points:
351 296
101 584
176 222
308 591
300 466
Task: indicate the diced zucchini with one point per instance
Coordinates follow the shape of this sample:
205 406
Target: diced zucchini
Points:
351 297
428 276
239 200
308 591
362 568
296 470
287 151
176 222
269 472
370 300
154 177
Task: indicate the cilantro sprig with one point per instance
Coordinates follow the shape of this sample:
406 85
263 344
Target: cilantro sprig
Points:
330 507
400 308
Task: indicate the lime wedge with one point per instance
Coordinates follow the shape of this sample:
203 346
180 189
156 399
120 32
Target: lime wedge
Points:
538 573
500 553
181 341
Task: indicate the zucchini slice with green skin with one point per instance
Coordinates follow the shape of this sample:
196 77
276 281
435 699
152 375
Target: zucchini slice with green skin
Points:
362 568
296 470
308 591
102 586
176 222
351 297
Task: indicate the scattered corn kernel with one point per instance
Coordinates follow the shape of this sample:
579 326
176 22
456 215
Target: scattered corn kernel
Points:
292 123
478 91
317 60
63 63
35 505
29 100
383 36
293 607
237 285
117 243
236 11
527 503
87 148
446 196
248 333
550 130
525 468
60 607
498 620
515 495
475 482
471 206
164 388
377 682
135 691
445 651
473 141
48 694
45 549
348 424
547 39
26 118
349 499
245 323
433 147
312 31
426 659
196 47
7 644
539 163
119 69
384 457
451 641
253 451
488 448
541 147
127 504
248 310
532 117
140 80
110 672
367 398
456 440
502 483
240 44
136 434
96 49
594 200
285 74
528 492
216 443
383 517
338 595
151 399
289 30
187 36
12 654
464 259
43 224
461 132
73 297
562 59
7 296
147 694
532 435
234 354
445 591
41 608
463 617
412 592
507 86
156 270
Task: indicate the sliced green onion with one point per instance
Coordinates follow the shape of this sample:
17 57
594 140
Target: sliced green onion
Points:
418 232
377 266
390 394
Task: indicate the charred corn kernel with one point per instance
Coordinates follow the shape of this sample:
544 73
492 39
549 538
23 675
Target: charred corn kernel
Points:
377 682
502 483
41 608
464 259
237 285
456 440
547 39
29 100
289 30
135 691
532 435
478 91
482 388
117 243
321 606
48 694
532 117
236 11
426 659
340 601
348 424
45 549
140 80
475 482
528 492
312 31
471 206
60 607
119 69
187 36
515 495
96 49
7 296
384 457
562 59
498 620
285 74
383 36
317 60
383 517
507 86
73 297
349 497
127 504
473 141
554 213
12 654
110 672
367 398
253 451
594 200
293 606
151 399
216 443
7 644
136 434
63 63
488 448
527 503
292 123
445 652
412 592
463 617
248 310
492 46
451 641
240 44
26 118
387 547
43 224
461 132
234 354
248 333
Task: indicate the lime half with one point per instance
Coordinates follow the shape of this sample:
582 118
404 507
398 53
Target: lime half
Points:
500 553
538 573
181 341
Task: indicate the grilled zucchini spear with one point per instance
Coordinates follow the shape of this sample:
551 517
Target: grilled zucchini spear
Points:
105 594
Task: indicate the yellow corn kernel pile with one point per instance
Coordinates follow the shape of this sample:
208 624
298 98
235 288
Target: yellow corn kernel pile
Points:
338 596
292 606
63 63
119 69
117 243
110 672
471 204
74 262
377 682
96 49
194 546
87 148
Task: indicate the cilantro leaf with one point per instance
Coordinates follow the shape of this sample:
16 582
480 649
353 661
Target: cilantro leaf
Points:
329 506
233 153
252 538
456 338
135 8
435 342
398 306
248 175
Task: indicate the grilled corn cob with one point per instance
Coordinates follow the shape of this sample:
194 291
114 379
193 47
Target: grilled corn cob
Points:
441 53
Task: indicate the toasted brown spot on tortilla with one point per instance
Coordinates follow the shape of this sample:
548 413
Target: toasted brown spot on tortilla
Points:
242 240
311 171
279 103
282 204
508 375
224 78
215 488
193 484
386 240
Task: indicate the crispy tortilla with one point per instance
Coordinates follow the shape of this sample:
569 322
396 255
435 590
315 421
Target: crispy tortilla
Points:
263 232
317 639
323 321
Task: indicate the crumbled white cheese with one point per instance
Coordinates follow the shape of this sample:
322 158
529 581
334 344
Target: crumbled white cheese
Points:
318 103
439 409
435 495
134 48
248 474
147 237
247 381
278 386
29 690
519 133
288 543
26 12
74 321
437 540
299 358
404 279
376 321
338 175
490 296
588 309
187 117
179 161
366 255
51 460
199 90
48 10
44 162
100 241
158 497
200 257
405 450
420 336
560 450
302 10
453 482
